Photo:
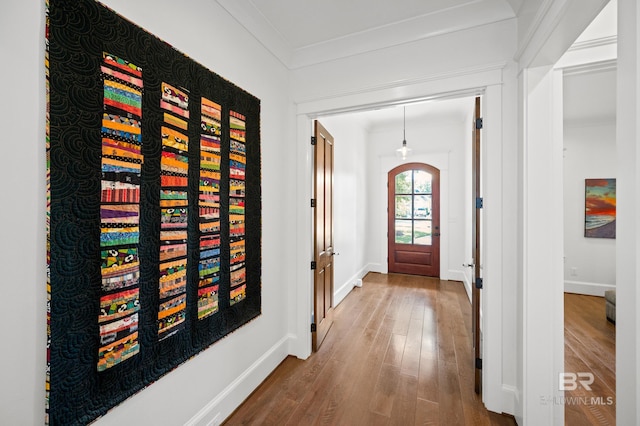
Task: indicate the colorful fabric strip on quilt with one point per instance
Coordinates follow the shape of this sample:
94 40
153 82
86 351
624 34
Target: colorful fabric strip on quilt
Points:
120 211
209 208
174 203
237 185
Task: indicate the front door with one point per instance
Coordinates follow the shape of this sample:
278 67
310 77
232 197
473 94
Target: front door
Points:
323 236
414 220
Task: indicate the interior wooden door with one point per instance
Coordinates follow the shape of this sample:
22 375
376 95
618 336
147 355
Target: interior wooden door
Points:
475 237
414 220
323 232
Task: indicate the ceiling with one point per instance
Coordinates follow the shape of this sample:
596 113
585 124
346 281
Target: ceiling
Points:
457 110
590 87
305 22
303 32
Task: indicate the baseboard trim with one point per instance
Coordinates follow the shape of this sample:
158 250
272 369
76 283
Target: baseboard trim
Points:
343 291
467 286
590 289
509 399
226 402
377 267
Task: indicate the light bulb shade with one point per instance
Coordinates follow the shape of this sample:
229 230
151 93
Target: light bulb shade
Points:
404 151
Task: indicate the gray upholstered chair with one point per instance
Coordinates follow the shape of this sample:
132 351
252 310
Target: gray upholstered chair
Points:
610 306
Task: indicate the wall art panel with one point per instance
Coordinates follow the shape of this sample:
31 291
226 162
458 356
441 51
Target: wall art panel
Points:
600 208
153 209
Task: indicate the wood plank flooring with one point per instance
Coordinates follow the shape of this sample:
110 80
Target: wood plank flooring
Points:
399 353
589 345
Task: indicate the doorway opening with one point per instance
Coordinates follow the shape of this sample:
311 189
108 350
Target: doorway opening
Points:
366 138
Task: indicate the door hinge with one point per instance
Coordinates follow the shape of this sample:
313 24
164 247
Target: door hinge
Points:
313 202
313 327
313 265
479 283
479 363
479 203
479 123
313 140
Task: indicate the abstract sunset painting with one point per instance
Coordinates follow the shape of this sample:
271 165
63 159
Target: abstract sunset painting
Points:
600 208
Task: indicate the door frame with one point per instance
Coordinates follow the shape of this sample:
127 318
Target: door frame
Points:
489 83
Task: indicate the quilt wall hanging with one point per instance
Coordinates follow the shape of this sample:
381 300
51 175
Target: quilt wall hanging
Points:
153 212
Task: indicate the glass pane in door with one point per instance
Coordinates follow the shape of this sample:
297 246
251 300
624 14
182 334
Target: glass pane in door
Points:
403 182
403 231
422 182
403 206
422 232
422 207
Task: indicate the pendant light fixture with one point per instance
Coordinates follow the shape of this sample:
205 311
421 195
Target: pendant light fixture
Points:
404 151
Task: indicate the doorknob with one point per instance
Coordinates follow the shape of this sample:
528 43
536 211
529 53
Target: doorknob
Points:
468 265
335 254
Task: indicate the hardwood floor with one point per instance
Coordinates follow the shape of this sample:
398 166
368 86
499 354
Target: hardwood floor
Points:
399 353
589 344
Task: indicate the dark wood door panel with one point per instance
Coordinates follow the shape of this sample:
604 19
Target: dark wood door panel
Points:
414 258
323 235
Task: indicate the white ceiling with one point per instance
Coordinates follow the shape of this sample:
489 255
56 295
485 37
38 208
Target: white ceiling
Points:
589 95
304 23
590 88
303 32
457 110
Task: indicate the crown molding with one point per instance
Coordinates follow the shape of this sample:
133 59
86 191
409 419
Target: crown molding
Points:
249 17
541 13
445 21
555 27
593 67
594 43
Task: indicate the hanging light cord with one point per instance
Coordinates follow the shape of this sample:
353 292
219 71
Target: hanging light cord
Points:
404 125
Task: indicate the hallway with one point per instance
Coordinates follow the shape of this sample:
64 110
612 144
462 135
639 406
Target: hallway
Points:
399 353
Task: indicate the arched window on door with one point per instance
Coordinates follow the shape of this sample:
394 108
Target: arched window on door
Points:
414 219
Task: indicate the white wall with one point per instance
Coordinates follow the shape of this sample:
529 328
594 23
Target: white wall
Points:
350 203
441 145
22 248
590 152
218 379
